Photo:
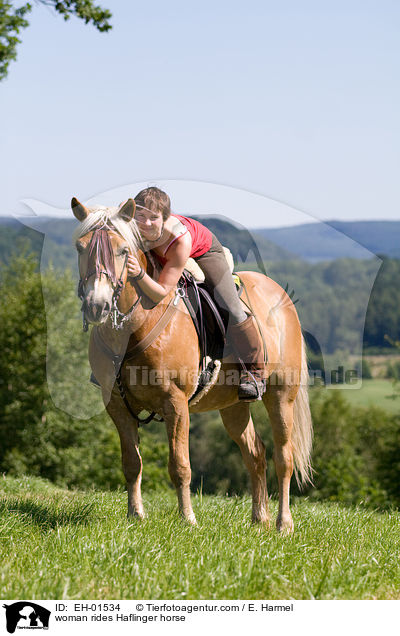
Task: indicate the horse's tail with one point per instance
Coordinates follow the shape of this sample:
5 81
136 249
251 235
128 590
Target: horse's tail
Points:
302 435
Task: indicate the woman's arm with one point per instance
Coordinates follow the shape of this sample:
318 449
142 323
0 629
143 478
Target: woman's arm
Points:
170 274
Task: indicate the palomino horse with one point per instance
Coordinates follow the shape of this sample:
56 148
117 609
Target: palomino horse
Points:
114 305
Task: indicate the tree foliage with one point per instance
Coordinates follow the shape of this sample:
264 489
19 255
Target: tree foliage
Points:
35 436
14 19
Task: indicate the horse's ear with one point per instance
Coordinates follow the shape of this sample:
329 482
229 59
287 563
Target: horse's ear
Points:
127 211
79 210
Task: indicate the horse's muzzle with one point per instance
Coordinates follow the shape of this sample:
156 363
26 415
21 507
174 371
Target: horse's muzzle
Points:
95 313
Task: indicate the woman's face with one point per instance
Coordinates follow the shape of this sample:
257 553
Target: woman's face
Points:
150 223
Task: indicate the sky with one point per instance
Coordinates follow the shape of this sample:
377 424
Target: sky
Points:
269 113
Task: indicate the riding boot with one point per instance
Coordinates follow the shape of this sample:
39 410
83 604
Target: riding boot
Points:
248 347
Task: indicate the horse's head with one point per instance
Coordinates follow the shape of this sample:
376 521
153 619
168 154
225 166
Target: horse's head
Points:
103 241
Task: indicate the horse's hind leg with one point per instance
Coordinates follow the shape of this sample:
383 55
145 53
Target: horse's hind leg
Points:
280 411
237 421
131 459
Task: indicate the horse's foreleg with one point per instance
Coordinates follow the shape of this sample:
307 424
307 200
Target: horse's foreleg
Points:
176 418
237 421
280 411
131 459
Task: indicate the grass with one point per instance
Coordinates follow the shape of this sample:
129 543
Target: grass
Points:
376 392
59 544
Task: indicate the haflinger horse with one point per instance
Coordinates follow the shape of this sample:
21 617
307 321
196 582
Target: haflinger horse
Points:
128 336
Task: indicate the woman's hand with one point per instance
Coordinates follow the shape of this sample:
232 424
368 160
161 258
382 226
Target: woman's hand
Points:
133 266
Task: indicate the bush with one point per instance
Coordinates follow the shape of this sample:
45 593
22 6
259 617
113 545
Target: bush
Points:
352 448
393 370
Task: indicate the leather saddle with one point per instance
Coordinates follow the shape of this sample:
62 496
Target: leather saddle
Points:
209 319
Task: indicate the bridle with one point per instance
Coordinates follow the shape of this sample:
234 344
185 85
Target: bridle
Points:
100 242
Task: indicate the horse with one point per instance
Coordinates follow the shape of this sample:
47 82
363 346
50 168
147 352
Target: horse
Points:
129 335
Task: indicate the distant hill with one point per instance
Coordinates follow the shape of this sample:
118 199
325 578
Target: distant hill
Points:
310 242
57 249
245 244
337 239
380 237
59 245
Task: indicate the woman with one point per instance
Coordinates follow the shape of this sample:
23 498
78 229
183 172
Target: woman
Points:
174 238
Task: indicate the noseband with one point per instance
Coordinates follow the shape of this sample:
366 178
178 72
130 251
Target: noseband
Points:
100 247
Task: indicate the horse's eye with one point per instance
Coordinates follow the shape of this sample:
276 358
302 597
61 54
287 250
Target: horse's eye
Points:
79 248
124 251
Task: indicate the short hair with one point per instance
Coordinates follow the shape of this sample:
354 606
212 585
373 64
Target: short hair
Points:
154 199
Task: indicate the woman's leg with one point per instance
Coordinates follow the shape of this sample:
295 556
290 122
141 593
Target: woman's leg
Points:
219 278
242 331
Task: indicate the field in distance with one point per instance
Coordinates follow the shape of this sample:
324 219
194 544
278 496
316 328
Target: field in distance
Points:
377 392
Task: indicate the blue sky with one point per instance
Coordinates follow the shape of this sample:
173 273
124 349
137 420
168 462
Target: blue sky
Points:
295 101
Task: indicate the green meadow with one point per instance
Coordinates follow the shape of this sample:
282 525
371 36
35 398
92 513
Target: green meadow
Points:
61 544
376 392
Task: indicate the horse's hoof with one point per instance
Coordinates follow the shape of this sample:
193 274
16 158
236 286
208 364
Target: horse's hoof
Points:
263 523
189 519
285 526
139 516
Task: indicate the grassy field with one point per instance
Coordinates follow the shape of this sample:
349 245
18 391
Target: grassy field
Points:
376 392
60 544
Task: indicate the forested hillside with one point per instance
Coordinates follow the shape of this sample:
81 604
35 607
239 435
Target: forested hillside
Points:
59 248
334 298
311 242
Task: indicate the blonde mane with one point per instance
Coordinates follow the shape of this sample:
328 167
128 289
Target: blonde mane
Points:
101 216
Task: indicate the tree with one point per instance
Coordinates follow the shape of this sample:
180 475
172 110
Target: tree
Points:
35 436
14 19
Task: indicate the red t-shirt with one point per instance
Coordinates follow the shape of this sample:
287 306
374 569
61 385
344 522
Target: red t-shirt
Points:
201 235
201 238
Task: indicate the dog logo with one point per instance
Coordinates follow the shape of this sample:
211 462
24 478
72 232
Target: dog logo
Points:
26 615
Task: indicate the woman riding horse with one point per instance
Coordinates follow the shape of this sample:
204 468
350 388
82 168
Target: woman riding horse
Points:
128 336
173 239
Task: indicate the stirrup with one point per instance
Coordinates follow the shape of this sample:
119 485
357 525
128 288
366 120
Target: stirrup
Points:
250 389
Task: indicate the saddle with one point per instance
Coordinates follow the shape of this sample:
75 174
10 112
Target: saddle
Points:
209 319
